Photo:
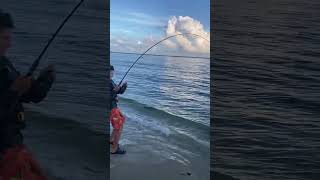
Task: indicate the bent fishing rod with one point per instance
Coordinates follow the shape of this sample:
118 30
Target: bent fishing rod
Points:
156 45
37 61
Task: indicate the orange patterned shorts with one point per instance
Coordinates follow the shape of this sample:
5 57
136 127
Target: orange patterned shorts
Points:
18 163
117 118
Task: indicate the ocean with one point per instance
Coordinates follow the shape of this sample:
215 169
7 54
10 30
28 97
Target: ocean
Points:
266 82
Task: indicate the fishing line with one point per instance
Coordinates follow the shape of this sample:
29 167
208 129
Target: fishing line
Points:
35 64
156 45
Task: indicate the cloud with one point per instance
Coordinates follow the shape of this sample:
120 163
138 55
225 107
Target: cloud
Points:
188 43
139 19
176 45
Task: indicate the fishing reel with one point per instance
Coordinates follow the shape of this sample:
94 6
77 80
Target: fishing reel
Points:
123 88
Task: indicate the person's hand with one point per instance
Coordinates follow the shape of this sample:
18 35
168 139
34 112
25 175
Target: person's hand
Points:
50 72
117 88
21 85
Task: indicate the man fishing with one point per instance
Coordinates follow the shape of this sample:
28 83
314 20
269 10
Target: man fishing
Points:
117 119
16 162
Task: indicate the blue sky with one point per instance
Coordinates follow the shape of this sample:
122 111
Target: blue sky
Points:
138 20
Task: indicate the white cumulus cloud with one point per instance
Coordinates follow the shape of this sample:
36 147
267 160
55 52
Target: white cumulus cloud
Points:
176 45
189 43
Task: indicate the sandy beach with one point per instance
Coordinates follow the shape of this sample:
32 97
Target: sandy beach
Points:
137 164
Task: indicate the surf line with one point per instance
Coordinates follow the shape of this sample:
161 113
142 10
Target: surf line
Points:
35 64
181 34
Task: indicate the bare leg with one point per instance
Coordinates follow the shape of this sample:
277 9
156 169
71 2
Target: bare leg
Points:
115 140
112 136
117 136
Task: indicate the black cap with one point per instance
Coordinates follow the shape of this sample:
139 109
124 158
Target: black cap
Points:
111 68
5 20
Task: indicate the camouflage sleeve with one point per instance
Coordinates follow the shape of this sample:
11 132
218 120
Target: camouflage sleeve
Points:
112 92
8 98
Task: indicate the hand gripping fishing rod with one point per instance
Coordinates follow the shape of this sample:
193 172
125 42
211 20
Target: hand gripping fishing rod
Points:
37 61
157 44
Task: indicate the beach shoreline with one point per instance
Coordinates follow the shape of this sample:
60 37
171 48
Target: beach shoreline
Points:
141 164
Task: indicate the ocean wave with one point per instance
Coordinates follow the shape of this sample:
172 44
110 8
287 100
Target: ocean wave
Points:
161 114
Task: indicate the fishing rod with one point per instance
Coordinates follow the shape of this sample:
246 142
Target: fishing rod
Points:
37 61
154 46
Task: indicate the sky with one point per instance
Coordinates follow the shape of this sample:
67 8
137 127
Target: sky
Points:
138 24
